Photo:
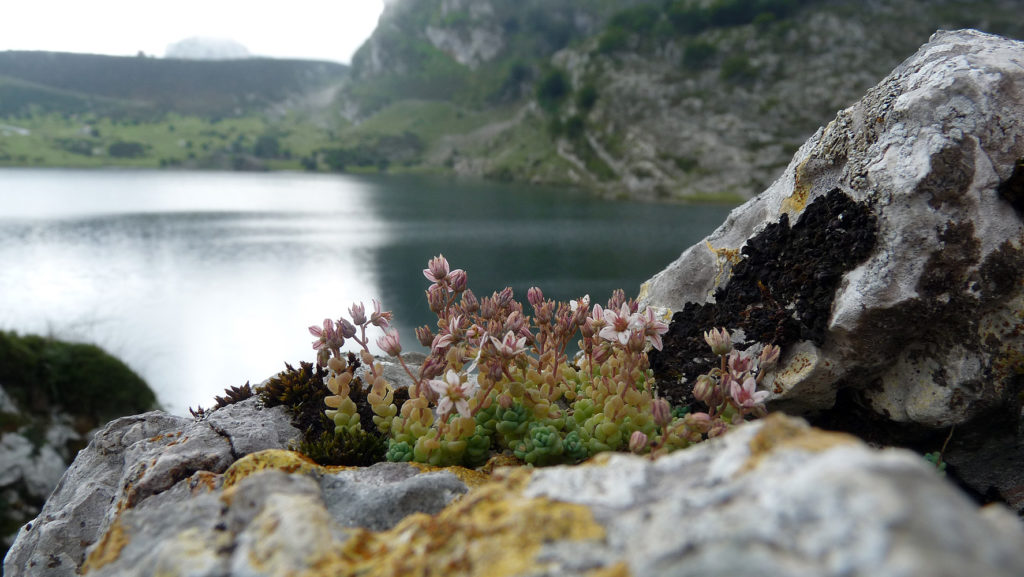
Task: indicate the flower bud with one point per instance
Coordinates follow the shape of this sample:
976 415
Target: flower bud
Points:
636 341
347 329
718 428
637 442
617 299
602 353
504 298
457 280
662 412
535 296
505 401
389 343
544 313
719 341
699 422
587 328
424 335
704 389
768 358
437 299
358 313
488 308
469 302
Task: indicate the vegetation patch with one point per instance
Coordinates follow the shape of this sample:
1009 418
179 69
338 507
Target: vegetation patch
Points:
79 379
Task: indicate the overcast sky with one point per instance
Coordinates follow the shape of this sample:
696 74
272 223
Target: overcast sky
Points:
318 29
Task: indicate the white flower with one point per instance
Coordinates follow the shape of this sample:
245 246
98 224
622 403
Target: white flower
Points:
453 392
619 325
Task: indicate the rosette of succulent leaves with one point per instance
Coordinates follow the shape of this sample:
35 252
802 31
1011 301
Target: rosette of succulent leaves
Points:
498 380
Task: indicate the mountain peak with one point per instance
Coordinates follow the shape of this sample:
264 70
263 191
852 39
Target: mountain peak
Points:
207 48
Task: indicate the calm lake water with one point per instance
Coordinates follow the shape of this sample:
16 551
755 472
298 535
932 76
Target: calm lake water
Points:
200 281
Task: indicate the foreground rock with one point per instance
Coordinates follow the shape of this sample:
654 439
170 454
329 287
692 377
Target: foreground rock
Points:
154 495
887 260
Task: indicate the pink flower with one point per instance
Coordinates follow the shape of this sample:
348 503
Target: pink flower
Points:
653 328
453 392
745 395
322 334
389 343
739 363
510 346
379 319
618 324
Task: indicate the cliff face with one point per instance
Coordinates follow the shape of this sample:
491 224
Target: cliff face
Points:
658 101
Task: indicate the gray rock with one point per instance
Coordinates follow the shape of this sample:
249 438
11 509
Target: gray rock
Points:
129 461
774 497
924 333
378 497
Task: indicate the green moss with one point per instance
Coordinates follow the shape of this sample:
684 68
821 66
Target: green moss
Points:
80 379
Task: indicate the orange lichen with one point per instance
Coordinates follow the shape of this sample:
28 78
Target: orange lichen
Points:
779 432
108 549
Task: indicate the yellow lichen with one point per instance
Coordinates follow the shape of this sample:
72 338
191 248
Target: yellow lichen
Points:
277 459
619 569
492 531
723 257
294 462
779 432
108 549
795 203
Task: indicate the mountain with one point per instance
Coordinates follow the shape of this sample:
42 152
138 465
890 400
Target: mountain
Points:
658 100
203 48
140 87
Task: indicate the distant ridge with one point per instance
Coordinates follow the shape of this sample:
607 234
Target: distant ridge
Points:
52 81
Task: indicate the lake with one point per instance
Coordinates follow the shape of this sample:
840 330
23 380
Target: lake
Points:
201 281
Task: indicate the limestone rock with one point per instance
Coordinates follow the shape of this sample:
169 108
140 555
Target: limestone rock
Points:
773 497
909 309
129 461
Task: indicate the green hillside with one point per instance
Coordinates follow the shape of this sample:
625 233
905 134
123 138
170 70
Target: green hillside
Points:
204 88
82 110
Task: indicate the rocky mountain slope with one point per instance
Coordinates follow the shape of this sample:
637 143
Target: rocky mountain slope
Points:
686 99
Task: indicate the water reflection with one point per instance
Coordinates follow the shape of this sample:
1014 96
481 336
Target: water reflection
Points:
203 281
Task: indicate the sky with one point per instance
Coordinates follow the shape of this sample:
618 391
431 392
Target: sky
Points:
315 29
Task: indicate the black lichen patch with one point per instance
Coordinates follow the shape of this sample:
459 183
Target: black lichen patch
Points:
1012 190
780 292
